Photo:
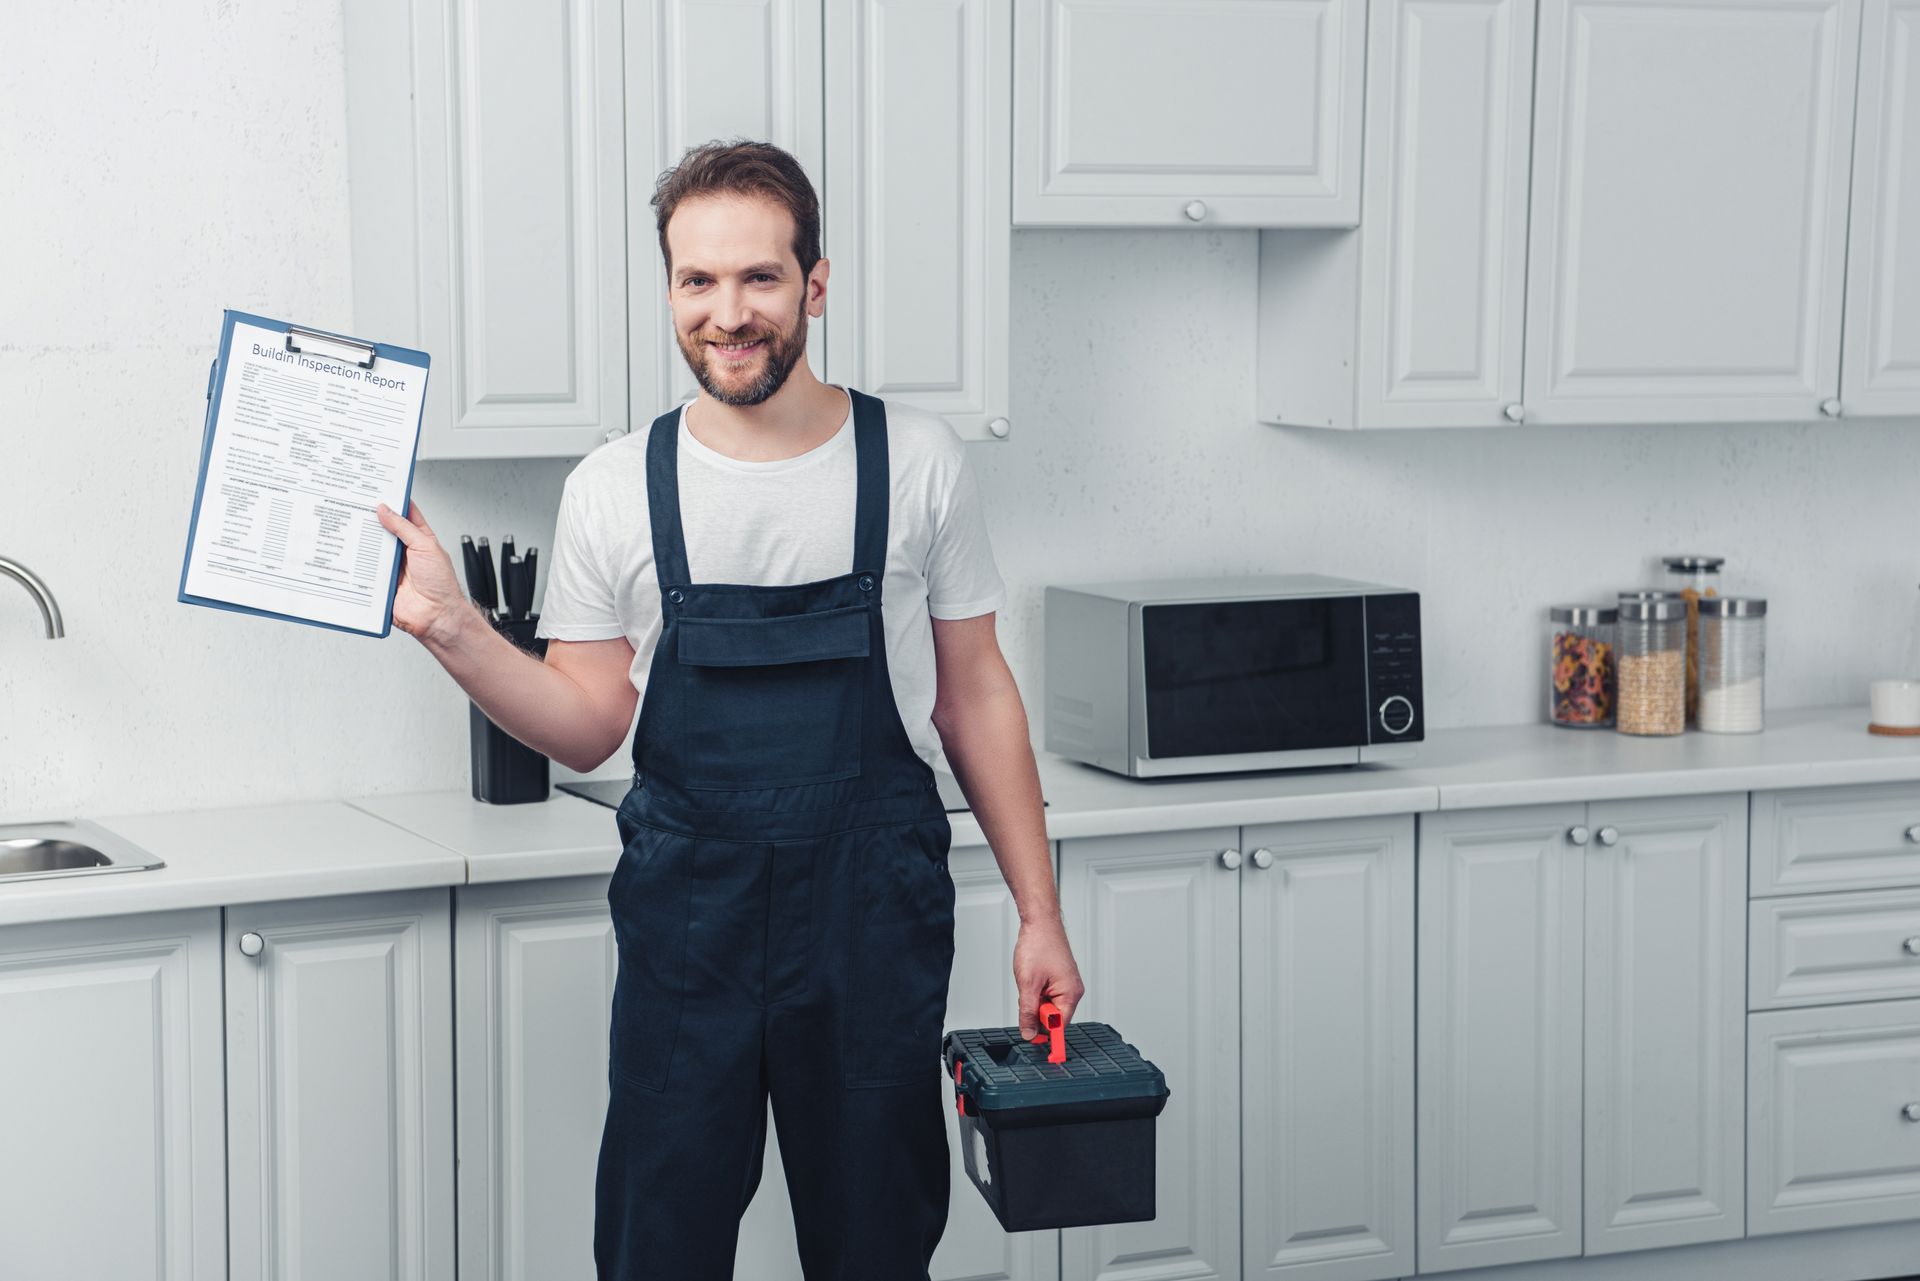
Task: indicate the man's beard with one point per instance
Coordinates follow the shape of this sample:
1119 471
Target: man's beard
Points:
783 352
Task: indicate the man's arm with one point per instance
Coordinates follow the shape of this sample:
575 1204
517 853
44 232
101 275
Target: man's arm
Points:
983 728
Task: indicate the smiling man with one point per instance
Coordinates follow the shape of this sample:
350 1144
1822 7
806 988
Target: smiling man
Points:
794 582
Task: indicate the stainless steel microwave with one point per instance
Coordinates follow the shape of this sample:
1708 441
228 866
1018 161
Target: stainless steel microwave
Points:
1161 676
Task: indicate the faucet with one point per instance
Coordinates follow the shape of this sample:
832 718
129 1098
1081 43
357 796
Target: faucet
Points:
41 596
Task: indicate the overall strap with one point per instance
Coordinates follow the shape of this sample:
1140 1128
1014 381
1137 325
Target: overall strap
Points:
874 484
663 500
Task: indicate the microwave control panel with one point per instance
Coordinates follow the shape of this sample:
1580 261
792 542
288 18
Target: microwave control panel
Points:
1393 668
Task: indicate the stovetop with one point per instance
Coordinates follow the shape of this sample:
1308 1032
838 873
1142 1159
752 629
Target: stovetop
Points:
611 791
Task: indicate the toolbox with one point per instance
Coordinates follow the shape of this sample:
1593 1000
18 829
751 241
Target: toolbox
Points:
1056 1132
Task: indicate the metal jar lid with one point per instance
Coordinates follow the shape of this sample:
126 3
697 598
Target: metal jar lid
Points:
1689 564
1583 615
1733 606
1652 610
1649 593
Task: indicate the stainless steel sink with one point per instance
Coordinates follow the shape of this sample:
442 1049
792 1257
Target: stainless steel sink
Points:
72 847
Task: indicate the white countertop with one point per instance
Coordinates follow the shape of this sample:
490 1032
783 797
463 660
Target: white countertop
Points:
413 839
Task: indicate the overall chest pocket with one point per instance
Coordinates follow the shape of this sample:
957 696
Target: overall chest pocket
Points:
773 702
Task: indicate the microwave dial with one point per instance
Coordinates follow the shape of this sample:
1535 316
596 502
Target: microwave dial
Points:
1396 714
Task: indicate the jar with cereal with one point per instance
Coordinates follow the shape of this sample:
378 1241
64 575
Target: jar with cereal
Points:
1694 578
1652 661
1580 671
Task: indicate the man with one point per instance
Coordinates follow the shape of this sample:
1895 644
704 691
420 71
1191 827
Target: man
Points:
782 906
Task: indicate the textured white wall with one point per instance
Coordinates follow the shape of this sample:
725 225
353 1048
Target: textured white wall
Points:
166 161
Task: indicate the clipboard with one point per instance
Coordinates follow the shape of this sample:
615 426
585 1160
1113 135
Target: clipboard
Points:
354 360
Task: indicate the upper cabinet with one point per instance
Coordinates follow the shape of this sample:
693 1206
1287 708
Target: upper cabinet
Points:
1880 365
1688 233
486 183
1163 113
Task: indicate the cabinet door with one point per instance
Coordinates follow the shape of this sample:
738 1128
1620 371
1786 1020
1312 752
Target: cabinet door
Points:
1444 254
1154 920
1834 1111
1665 1022
111 1122
917 121
1499 975
1166 113
1880 368
1690 167
1326 1002
487 195
678 97
340 1088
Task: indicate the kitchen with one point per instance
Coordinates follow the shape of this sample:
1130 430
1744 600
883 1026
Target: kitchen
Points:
1145 392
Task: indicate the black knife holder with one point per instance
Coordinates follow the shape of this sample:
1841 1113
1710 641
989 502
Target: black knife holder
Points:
505 770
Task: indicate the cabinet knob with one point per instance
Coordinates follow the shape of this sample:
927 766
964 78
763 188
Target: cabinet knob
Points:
1830 407
1263 858
252 944
613 434
1515 413
1000 427
1913 834
1196 210
1578 835
1609 836
1911 1111
1230 859
1912 946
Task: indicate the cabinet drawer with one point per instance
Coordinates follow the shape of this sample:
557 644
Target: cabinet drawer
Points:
1835 838
1829 1143
1833 947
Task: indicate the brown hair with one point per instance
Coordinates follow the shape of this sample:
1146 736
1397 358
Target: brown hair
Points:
742 168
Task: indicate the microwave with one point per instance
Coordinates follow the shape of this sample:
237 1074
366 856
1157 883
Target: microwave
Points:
1156 677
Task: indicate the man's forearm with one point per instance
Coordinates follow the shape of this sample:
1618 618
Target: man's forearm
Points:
537 704
986 743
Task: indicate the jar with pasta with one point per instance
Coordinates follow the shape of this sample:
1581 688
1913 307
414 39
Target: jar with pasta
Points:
1694 578
1652 667
1580 665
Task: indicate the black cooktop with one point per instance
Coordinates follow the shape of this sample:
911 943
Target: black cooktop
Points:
611 791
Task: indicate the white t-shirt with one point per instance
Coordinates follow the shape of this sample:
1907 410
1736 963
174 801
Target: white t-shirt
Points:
777 523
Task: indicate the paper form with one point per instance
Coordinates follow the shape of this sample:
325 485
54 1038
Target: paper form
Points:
301 448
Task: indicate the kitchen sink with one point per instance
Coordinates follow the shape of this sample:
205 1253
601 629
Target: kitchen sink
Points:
69 847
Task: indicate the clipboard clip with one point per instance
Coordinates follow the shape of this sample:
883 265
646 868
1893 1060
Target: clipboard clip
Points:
330 346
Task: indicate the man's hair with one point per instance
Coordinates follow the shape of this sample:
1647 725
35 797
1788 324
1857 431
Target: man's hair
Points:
743 168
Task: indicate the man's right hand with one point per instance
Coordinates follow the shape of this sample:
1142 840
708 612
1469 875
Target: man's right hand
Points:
429 597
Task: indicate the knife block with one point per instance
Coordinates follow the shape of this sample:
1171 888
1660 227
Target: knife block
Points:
506 771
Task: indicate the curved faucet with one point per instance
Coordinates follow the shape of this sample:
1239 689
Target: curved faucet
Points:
41 596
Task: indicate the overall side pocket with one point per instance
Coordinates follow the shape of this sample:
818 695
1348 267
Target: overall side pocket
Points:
649 899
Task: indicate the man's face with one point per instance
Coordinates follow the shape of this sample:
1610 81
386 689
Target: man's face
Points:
740 304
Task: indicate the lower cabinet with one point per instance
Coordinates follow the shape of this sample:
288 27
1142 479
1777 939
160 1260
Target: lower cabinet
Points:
1581 1029
1268 971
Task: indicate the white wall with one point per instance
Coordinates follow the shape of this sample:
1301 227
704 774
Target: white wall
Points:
164 161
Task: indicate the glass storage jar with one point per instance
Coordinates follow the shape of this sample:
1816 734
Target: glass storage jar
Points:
1652 663
1694 578
1733 659
1580 665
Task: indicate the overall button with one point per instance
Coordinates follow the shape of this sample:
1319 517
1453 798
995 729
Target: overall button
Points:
676 595
866 582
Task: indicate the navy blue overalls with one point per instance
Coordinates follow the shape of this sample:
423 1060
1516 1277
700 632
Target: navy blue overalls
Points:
784 918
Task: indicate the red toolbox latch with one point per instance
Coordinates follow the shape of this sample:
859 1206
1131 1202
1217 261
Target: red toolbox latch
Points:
959 1091
1052 1025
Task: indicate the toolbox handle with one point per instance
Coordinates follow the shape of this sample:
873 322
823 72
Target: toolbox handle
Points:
1053 1026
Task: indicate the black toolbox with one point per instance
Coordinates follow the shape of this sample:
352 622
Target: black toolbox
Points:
1057 1132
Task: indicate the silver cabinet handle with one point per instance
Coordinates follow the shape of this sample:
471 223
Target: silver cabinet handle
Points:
251 944
1911 1111
1515 413
1578 835
1912 946
1263 858
1230 859
613 434
1196 210
1830 407
1609 836
1000 427
1913 834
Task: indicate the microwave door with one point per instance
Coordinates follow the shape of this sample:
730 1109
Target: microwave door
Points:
1226 678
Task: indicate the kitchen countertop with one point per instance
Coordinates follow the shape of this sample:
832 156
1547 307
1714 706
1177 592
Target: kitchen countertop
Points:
437 838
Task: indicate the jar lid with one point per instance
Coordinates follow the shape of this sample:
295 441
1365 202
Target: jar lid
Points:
1649 593
1688 564
1650 610
1583 615
1734 606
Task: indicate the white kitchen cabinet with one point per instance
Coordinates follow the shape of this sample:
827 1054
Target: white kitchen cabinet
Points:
1326 1000
1880 364
675 99
1827 948
1817 839
339 1059
1415 319
112 1131
1164 113
917 109
1689 208
487 193
1834 1115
